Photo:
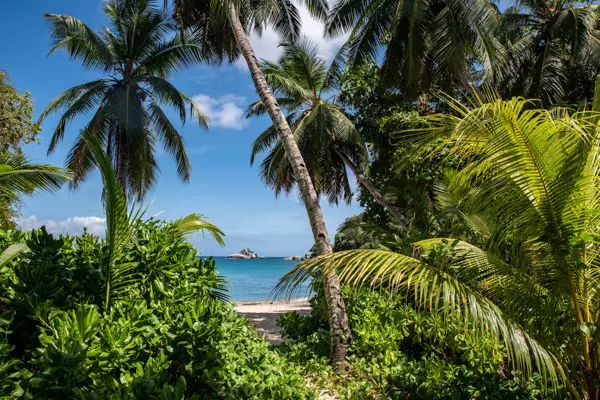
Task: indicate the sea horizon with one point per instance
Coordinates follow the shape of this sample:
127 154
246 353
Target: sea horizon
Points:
260 255
254 280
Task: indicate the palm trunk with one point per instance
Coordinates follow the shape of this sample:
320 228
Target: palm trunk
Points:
338 319
366 182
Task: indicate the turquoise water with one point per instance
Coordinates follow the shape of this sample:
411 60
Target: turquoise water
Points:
253 280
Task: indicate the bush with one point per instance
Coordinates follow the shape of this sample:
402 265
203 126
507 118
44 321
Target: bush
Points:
168 336
401 353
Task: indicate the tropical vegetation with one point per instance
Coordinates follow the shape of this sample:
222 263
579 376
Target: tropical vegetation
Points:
136 53
472 130
212 23
18 176
327 138
550 47
528 192
134 315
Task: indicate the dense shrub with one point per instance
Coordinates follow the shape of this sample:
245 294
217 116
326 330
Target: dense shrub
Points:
401 353
168 336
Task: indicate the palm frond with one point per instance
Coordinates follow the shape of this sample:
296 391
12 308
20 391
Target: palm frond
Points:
172 141
281 82
434 289
12 252
119 225
285 20
78 100
194 223
79 41
19 177
257 108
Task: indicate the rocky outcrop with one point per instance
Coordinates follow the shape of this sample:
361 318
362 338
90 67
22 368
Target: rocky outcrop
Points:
298 258
239 257
251 256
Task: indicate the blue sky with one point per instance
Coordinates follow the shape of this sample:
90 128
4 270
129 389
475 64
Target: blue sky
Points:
223 186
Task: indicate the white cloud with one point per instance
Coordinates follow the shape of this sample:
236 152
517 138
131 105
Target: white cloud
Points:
225 111
267 45
73 226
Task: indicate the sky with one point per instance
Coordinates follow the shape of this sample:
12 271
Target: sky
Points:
224 187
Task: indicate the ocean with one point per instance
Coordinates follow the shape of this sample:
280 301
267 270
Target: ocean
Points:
253 280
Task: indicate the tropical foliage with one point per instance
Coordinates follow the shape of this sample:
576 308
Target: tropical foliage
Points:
423 45
167 337
120 272
239 18
19 177
550 51
479 233
136 54
16 125
16 129
529 192
402 353
305 87
136 315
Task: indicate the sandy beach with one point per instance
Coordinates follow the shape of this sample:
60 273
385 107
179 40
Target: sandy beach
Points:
263 315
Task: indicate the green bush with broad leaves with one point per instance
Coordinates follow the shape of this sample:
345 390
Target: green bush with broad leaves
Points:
133 316
169 336
401 353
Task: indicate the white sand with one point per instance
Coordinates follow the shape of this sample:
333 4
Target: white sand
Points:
263 315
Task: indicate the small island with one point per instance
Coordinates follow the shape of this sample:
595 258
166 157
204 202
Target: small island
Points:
306 257
246 254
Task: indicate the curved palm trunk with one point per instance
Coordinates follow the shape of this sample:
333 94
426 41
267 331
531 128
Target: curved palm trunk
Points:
366 182
338 319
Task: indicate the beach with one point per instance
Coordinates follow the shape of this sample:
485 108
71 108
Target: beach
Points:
263 315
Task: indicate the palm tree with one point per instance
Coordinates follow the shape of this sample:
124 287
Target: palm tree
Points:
532 280
305 86
136 54
425 44
549 44
222 28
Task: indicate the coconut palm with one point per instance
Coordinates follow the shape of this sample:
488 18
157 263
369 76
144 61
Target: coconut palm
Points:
305 87
425 44
549 44
136 55
222 28
530 189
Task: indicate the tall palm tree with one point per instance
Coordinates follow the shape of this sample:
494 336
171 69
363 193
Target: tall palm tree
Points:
532 176
136 55
549 44
305 87
425 44
222 28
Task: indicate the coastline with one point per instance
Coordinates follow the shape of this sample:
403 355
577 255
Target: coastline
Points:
276 307
264 314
